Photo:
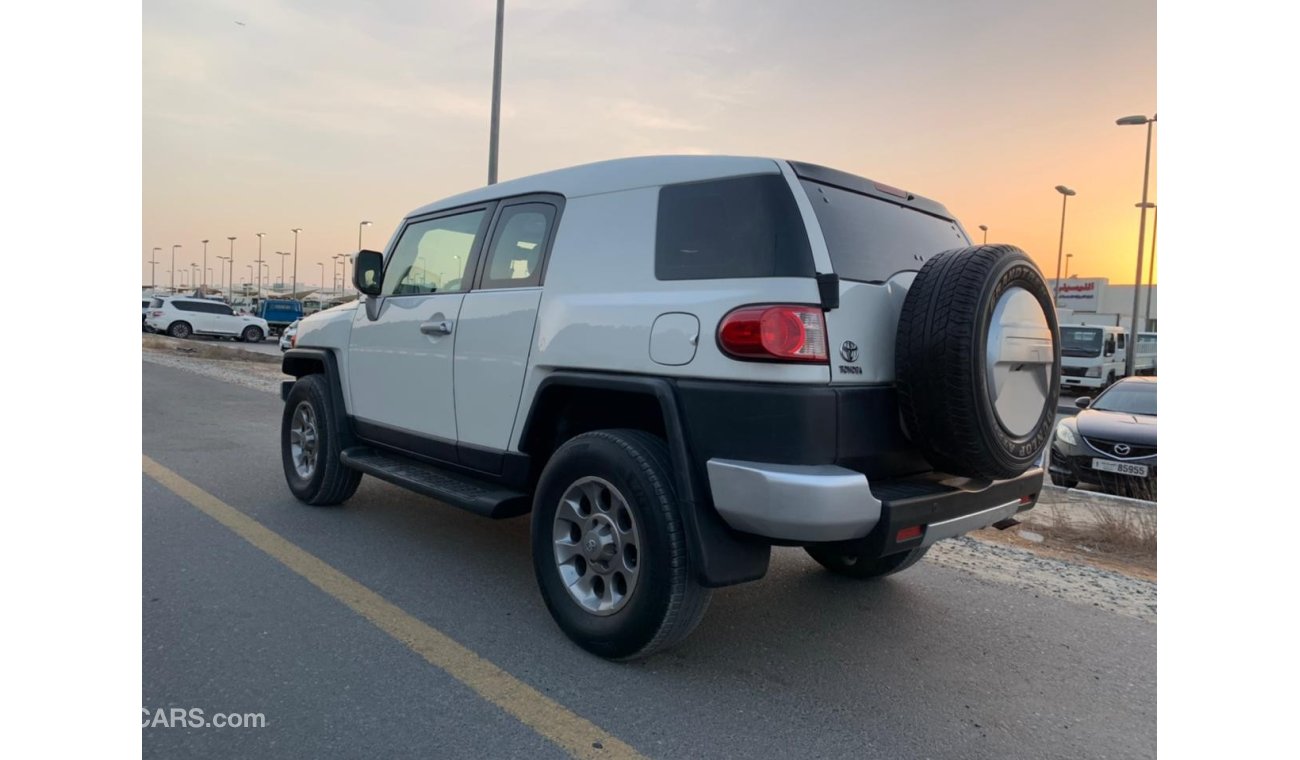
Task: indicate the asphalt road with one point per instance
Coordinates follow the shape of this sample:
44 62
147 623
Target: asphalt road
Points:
932 663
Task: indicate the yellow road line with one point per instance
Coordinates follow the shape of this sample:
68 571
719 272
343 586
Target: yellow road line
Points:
573 733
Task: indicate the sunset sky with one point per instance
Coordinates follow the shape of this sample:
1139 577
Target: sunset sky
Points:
321 113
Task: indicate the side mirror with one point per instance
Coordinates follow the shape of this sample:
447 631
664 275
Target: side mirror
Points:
368 272
1083 402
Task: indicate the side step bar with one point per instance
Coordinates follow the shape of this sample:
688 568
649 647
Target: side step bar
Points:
464 491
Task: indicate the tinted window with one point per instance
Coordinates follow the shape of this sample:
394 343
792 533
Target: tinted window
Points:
432 255
739 227
1129 398
871 240
1080 341
221 308
185 305
515 259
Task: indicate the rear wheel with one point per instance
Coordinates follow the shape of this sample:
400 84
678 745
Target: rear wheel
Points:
180 330
609 546
310 440
848 561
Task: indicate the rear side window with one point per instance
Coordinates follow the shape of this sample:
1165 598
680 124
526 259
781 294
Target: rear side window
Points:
515 258
737 227
184 305
871 240
157 303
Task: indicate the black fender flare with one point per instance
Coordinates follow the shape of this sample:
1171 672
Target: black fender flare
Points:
720 555
300 362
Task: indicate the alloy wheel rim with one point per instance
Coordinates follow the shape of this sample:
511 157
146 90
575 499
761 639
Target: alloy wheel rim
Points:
303 440
597 546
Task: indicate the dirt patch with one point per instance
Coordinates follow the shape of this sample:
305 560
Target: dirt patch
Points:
1106 534
203 350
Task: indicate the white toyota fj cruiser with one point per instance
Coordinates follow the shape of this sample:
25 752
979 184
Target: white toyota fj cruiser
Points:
676 363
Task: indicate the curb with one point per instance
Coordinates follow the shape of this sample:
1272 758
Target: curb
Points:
1098 496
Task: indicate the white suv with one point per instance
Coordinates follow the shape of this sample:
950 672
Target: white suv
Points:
184 317
676 363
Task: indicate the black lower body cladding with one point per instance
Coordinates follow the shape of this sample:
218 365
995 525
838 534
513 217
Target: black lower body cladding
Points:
977 360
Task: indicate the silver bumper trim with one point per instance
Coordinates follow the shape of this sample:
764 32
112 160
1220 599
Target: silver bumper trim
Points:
966 523
793 502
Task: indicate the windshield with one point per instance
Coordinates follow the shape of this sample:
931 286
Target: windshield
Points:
871 240
1128 398
1080 341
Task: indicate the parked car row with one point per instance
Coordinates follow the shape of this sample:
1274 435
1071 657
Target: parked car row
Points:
185 317
1111 442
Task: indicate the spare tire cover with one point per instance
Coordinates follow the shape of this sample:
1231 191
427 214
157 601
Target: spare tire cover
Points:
978 362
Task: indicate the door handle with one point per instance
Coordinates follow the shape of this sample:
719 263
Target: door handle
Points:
436 327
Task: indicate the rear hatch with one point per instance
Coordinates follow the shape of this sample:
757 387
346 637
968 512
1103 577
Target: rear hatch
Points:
878 238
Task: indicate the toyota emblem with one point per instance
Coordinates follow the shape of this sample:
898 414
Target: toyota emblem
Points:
1122 449
849 351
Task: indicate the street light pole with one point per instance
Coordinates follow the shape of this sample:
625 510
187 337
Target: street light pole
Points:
282 254
361 227
322 274
1068 256
260 235
224 259
174 247
985 229
205 266
153 262
1060 246
295 231
1151 271
496 96
1142 234
231 238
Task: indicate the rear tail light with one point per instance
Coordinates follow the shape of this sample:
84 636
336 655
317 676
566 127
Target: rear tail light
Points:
775 333
155 314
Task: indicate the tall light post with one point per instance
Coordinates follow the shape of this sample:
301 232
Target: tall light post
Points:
205 265
985 229
1132 121
334 284
260 235
1060 246
231 238
153 263
174 247
495 130
295 231
361 227
224 259
321 264
1068 256
282 254
194 274
1151 268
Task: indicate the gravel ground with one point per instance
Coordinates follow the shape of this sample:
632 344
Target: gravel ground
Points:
1073 582
258 376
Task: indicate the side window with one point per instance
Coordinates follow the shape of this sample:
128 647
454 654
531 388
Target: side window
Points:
432 256
184 305
515 258
1121 340
736 227
1110 345
221 308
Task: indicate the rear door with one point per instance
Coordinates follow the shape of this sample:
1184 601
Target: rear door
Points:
495 331
877 239
400 353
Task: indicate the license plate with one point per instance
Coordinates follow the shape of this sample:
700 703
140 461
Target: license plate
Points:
1122 468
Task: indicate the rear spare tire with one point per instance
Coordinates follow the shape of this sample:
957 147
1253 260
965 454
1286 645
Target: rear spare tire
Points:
977 362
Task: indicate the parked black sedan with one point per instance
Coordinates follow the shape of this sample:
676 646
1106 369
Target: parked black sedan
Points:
1111 442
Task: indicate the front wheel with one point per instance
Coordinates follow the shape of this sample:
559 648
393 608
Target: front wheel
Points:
850 562
609 546
252 335
310 443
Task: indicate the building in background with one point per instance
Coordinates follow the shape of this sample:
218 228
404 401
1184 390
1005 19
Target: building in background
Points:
1094 301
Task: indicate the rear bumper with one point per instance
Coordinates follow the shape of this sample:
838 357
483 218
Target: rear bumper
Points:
827 503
